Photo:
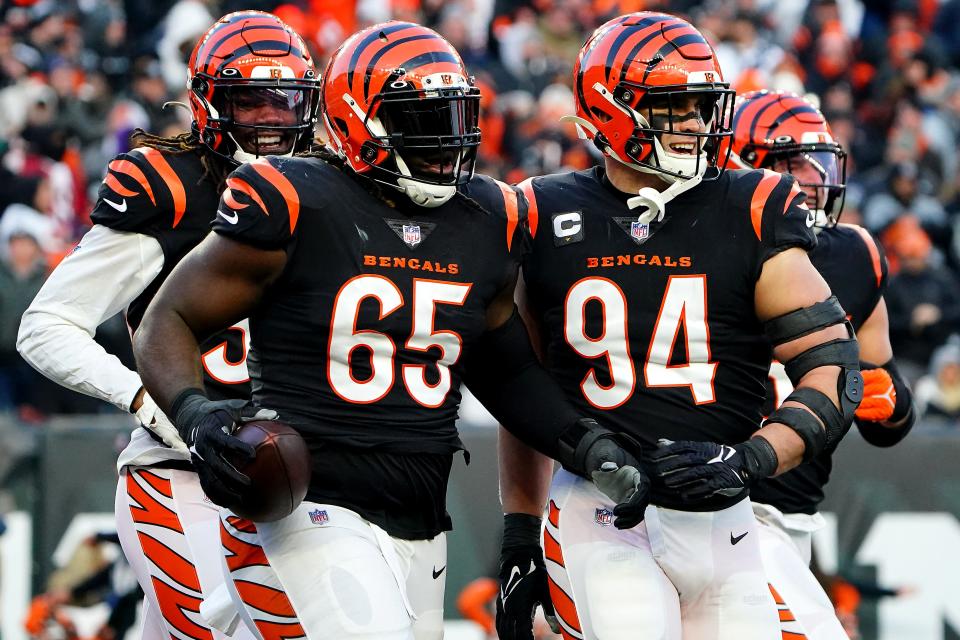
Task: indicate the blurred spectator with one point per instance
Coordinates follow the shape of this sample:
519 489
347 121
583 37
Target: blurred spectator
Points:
923 301
938 393
22 272
902 196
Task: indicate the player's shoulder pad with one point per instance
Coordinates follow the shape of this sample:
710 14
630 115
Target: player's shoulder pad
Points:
145 187
497 199
869 247
262 201
775 206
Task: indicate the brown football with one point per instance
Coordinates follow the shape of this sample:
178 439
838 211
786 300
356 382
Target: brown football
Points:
279 474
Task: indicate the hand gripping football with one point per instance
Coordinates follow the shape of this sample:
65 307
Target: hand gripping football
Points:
279 474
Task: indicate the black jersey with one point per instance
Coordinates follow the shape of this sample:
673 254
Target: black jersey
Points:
652 328
855 267
165 196
359 342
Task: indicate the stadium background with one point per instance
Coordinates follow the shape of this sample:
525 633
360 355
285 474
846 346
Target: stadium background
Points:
77 76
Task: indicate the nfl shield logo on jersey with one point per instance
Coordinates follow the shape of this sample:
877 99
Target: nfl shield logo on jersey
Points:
639 231
411 234
604 517
319 517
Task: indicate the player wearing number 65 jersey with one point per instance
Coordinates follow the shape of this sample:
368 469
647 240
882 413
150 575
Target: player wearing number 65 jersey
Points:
656 284
253 90
785 133
375 282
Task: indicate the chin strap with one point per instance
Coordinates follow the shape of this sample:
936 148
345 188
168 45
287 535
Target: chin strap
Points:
656 201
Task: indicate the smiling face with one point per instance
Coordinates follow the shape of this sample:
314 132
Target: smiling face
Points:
254 110
678 115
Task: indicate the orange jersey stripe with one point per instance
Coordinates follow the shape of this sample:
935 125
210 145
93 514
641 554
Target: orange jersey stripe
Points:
279 630
111 181
874 253
551 549
145 509
174 605
266 599
776 595
791 635
242 186
795 190
760 195
563 605
286 189
242 524
175 566
162 485
554 514
171 179
240 553
128 168
533 214
512 209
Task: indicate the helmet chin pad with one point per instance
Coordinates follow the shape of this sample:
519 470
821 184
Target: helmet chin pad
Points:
424 194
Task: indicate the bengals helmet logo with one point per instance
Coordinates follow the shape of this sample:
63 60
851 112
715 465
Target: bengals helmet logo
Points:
709 77
276 72
446 78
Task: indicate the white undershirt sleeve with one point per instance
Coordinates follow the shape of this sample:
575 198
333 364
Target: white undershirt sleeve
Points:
106 272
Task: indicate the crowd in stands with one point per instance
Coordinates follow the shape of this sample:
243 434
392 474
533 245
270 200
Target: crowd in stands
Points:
78 76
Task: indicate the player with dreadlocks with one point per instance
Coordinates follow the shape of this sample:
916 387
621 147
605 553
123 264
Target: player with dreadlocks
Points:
253 91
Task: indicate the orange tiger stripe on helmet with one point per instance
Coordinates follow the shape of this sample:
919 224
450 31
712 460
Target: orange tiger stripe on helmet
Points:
170 178
145 509
281 184
128 168
174 606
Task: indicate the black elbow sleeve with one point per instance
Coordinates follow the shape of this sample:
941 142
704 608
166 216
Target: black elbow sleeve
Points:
503 372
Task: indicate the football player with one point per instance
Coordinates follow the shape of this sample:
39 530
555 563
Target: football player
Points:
656 284
374 280
785 133
253 90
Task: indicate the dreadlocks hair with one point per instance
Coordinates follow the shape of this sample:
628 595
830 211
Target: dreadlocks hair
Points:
214 169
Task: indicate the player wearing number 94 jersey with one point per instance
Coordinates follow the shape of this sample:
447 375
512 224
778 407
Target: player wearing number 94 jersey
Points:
654 282
375 281
155 204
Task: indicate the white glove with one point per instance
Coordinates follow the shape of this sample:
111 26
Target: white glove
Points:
152 419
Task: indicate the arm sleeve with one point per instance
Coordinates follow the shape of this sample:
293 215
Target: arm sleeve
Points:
503 372
106 271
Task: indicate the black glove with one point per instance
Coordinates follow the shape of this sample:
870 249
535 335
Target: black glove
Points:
608 459
523 579
701 470
205 426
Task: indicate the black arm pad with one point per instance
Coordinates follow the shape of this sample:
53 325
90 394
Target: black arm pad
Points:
503 372
805 424
842 352
803 322
879 435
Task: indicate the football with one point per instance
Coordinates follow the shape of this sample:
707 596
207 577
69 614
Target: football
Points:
279 474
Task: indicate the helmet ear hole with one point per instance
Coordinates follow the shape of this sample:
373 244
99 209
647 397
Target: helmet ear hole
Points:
341 125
